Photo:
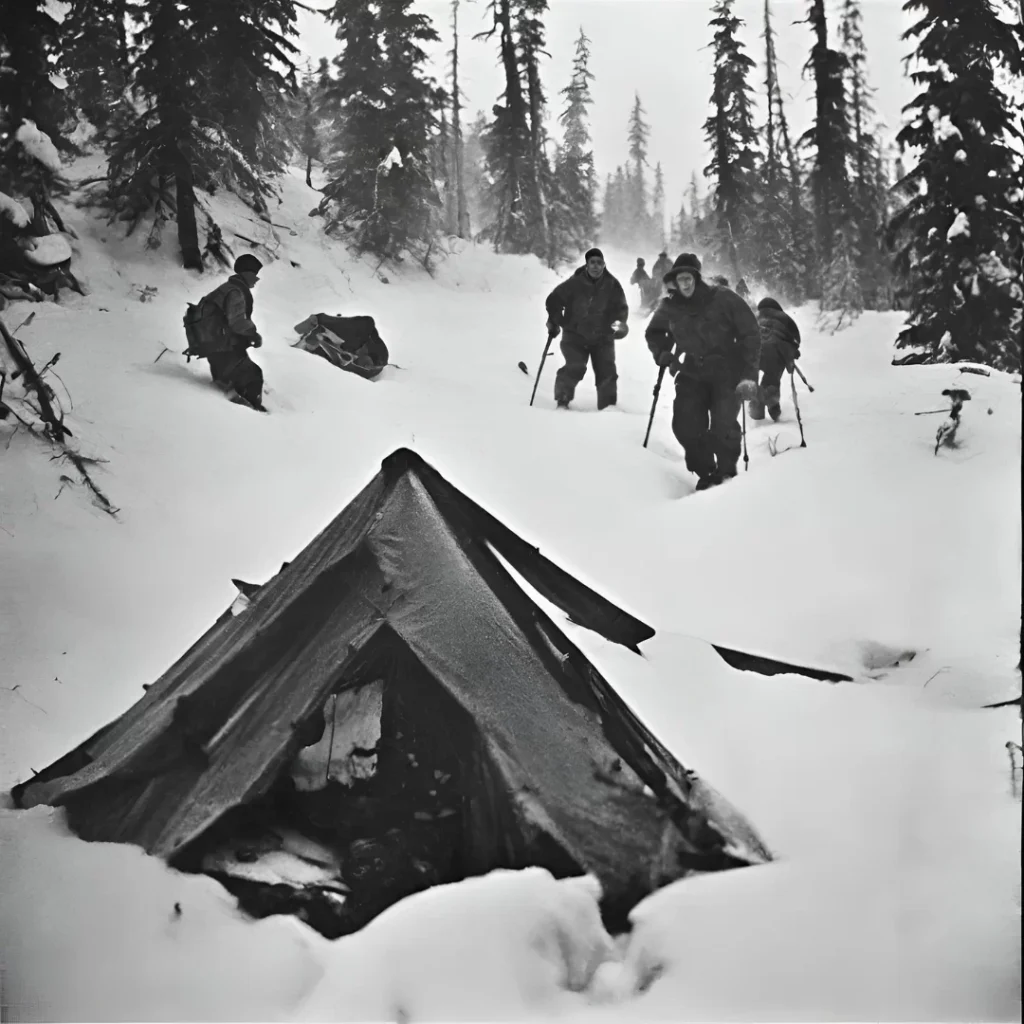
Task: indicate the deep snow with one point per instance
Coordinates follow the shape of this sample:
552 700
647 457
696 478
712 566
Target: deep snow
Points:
896 893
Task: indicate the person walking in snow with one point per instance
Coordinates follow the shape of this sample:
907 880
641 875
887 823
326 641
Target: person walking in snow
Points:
717 336
590 310
661 267
649 289
780 347
640 276
227 332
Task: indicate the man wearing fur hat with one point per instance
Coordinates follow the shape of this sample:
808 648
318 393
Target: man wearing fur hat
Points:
590 310
708 337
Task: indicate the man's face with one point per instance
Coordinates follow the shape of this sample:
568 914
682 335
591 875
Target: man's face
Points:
686 283
595 267
250 277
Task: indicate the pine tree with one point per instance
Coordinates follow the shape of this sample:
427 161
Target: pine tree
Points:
380 187
780 239
29 104
865 165
960 233
95 59
478 188
530 39
731 137
462 223
658 206
637 226
575 176
827 139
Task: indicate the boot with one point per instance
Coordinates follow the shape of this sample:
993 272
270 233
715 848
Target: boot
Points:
707 481
772 399
755 407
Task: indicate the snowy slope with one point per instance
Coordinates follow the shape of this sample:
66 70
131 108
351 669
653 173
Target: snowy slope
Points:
886 800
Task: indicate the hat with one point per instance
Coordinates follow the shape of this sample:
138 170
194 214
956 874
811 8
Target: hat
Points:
247 262
769 303
686 263
592 252
640 261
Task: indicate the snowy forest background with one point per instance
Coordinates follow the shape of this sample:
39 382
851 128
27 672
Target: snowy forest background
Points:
190 96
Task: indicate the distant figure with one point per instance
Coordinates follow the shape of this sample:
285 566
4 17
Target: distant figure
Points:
639 276
224 331
591 308
742 290
708 337
661 267
780 347
722 282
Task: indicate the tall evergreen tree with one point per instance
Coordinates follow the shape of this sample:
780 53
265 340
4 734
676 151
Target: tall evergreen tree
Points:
29 103
530 45
865 165
462 224
637 227
380 187
827 138
960 234
658 206
95 59
731 136
478 193
576 178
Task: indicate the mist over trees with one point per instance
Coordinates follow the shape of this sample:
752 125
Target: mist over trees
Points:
185 97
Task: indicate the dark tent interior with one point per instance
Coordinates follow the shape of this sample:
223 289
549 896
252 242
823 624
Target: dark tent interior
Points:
393 711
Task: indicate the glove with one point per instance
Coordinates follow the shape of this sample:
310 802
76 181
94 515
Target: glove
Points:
747 390
619 329
257 341
553 329
666 358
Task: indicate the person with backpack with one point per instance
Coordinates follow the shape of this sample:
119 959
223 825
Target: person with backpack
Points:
661 267
590 309
220 330
780 348
716 334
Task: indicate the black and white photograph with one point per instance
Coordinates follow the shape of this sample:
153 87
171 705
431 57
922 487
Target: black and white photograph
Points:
510 510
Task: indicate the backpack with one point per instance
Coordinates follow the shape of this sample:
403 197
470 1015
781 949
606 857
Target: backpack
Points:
205 327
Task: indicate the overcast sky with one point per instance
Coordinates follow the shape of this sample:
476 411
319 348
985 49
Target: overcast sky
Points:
657 48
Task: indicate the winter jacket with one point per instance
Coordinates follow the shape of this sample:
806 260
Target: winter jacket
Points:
639 276
779 331
715 331
588 308
234 328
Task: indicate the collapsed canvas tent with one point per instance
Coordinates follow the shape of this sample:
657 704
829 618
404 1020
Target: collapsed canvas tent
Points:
395 711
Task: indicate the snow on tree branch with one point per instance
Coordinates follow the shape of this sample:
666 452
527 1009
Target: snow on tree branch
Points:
38 146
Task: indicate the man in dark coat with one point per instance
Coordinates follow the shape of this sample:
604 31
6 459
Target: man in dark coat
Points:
228 331
780 346
716 334
640 275
590 310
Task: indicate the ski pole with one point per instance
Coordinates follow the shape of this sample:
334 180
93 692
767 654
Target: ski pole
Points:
796 405
746 457
810 387
654 404
540 369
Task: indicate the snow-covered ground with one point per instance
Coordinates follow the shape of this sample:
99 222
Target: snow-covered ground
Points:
887 801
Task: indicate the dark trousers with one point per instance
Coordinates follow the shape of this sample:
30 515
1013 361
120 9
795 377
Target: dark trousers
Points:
236 370
704 423
773 365
578 353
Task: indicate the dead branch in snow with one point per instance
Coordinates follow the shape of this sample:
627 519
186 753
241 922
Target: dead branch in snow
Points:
50 426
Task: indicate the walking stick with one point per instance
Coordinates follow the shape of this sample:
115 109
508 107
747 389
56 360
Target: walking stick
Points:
746 458
540 369
796 405
654 404
810 387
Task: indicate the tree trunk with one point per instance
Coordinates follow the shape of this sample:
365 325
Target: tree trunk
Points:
309 171
509 230
462 211
188 230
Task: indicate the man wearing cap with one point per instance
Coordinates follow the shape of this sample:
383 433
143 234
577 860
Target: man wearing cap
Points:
232 332
709 338
661 267
780 347
590 310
